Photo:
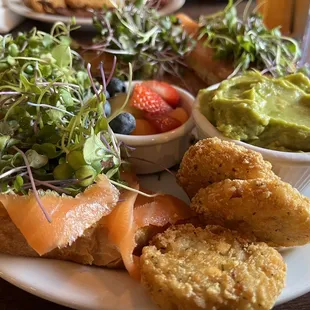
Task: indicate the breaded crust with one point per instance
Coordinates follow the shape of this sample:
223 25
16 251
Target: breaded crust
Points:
213 160
211 268
271 210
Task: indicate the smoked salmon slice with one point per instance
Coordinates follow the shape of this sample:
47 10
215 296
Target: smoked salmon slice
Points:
121 227
160 211
136 211
71 216
201 59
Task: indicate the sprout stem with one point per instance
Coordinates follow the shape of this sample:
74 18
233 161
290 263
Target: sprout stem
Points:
112 70
92 81
9 172
104 82
35 192
134 190
49 106
155 164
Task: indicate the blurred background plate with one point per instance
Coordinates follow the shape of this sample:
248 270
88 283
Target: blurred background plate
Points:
18 7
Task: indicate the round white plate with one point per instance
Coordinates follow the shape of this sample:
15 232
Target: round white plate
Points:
83 287
18 7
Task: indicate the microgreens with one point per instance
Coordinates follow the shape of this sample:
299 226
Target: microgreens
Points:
54 133
136 33
248 42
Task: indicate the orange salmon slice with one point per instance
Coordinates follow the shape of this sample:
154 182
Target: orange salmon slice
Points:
71 216
137 211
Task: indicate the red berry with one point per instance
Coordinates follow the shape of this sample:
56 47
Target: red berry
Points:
165 91
165 123
145 99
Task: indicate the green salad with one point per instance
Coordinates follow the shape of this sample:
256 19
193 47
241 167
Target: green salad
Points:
136 33
54 133
247 42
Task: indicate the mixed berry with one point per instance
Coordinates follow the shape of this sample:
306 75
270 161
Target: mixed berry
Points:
154 108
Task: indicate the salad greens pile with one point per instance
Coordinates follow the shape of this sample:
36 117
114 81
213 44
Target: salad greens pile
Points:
247 42
54 133
136 33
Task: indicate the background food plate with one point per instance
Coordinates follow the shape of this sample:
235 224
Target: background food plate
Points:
83 287
18 7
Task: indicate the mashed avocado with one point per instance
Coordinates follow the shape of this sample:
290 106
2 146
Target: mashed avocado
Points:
260 110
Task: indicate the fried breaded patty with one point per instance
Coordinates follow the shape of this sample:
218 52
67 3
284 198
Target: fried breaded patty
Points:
213 160
212 268
270 210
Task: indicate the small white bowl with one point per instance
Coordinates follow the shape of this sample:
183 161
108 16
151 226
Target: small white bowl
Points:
164 150
293 168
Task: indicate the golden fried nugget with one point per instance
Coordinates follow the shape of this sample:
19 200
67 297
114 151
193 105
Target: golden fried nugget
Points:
211 268
213 160
271 210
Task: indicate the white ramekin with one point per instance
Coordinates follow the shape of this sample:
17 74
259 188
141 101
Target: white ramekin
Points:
293 168
166 149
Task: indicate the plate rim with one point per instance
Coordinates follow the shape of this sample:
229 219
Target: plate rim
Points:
63 301
39 293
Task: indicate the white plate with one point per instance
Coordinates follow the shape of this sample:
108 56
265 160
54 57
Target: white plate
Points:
83 287
18 7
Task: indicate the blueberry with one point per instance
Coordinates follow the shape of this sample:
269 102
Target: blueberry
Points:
124 124
116 86
107 95
107 108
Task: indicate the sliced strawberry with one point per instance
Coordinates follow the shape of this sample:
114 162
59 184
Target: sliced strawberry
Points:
165 123
164 90
151 116
145 99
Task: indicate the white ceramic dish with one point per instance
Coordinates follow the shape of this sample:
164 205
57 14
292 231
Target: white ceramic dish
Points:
293 168
165 149
82 287
18 7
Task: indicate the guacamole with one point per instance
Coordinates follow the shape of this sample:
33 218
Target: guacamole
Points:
264 111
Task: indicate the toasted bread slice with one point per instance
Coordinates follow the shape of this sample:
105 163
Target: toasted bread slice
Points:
201 59
91 4
93 248
46 6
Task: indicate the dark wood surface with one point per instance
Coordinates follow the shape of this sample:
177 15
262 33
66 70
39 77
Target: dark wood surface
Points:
12 298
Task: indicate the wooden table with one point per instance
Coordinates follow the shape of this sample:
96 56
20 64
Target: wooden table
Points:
13 298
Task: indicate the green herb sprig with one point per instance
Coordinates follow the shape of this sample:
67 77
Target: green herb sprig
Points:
248 43
51 124
54 133
136 33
